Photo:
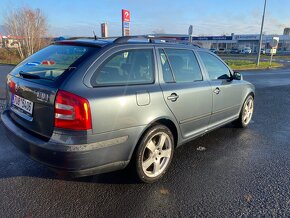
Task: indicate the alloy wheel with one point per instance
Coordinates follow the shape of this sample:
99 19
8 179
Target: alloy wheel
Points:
248 111
157 154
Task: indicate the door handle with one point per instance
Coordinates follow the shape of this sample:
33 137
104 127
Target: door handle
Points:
217 90
173 97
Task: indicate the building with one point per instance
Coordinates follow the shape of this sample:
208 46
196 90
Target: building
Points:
232 41
286 31
11 41
104 30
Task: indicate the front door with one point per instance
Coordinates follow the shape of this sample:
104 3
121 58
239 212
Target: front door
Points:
226 93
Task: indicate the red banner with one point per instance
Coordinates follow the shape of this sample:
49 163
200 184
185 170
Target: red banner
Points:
125 15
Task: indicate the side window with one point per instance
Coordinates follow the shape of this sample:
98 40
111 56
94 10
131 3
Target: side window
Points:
184 65
215 68
126 67
167 73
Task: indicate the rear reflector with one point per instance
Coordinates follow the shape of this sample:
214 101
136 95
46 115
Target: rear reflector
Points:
72 112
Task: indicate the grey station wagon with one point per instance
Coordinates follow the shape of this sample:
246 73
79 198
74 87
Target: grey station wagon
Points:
92 106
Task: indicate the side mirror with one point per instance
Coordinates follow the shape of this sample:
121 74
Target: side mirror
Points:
237 76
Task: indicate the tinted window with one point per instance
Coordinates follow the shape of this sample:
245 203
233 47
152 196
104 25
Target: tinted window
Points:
184 65
166 70
50 62
126 67
215 68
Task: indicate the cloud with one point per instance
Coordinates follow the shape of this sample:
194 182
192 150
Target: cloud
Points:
275 25
159 31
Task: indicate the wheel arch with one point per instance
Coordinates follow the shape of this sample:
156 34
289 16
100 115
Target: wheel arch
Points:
252 94
166 122
171 125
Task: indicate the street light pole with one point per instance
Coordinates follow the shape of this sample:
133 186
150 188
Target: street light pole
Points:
261 33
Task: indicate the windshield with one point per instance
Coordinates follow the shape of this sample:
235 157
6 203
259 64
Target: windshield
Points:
50 62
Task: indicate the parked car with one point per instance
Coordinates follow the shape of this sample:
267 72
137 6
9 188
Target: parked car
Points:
246 50
271 51
221 50
263 51
92 106
235 51
213 50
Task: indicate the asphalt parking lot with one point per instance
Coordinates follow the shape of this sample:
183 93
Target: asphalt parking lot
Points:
241 172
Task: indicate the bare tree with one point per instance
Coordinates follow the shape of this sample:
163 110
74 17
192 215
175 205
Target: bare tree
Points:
30 27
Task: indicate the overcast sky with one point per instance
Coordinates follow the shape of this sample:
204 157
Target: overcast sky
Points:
208 17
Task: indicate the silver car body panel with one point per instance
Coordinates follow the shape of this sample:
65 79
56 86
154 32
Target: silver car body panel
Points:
121 114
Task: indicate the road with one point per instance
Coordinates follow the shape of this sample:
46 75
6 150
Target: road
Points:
241 172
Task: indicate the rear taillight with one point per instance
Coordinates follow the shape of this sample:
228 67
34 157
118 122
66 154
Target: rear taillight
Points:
12 86
71 112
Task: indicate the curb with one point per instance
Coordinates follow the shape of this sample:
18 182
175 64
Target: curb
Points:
12 65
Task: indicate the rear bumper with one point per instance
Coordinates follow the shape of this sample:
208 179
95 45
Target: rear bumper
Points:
77 159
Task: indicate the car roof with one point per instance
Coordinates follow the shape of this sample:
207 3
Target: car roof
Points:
134 40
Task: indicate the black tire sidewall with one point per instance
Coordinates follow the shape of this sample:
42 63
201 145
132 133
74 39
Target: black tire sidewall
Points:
140 150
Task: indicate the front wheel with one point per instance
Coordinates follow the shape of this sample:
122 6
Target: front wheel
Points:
246 112
154 154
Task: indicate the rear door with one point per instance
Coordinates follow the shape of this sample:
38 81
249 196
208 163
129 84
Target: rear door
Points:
33 85
123 94
185 91
226 93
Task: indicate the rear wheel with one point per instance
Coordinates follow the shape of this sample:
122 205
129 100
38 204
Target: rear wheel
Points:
154 154
246 112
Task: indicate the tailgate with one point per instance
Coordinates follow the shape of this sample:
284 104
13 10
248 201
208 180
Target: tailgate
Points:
31 105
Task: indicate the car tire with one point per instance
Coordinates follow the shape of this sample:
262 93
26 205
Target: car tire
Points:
154 154
246 113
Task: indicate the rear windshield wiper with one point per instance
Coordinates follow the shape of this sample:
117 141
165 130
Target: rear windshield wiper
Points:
29 75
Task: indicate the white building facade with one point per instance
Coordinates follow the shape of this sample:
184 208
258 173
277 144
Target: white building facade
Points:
232 41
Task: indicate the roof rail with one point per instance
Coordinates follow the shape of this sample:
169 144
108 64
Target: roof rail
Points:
80 37
124 39
151 39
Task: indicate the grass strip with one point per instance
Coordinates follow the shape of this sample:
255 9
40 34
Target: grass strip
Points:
251 65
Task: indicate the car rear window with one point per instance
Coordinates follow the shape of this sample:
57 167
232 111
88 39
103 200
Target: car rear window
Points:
51 62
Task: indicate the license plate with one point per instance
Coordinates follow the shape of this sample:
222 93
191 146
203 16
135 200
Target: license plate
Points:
23 104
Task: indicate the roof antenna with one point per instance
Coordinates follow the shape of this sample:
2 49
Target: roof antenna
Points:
94 35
